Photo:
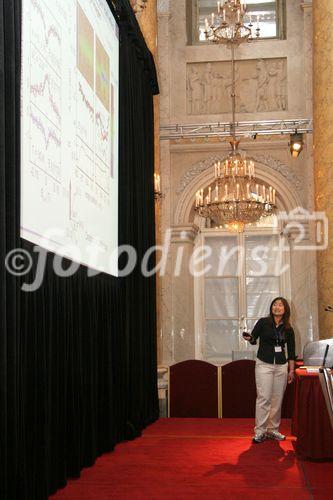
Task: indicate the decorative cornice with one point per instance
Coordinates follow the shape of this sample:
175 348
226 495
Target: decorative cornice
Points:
185 233
278 166
268 161
196 169
306 5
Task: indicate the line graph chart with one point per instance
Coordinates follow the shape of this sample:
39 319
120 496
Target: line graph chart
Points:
103 135
45 144
49 133
85 112
49 31
46 33
85 159
85 100
103 128
102 177
45 88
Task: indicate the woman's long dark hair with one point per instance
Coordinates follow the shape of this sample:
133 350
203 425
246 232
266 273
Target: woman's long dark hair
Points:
286 316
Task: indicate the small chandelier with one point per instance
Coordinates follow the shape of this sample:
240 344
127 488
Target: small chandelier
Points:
236 198
228 25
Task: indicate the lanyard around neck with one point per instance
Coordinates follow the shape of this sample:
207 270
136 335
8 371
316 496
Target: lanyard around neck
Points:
278 332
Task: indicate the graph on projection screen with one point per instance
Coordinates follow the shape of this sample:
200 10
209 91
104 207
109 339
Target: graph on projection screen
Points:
69 130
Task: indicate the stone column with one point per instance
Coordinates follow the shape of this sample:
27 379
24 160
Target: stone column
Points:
147 19
323 150
181 339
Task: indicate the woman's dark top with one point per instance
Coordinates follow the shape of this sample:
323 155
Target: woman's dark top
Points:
270 336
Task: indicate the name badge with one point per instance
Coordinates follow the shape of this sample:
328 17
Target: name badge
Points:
278 348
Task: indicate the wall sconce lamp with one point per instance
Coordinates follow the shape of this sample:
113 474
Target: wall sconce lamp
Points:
296 144
157 187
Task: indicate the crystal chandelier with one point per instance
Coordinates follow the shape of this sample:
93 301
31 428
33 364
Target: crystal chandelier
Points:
236 198
228 25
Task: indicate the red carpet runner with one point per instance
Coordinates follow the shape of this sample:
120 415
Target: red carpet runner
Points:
202 459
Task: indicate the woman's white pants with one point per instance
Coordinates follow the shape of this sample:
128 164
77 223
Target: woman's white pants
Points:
271 382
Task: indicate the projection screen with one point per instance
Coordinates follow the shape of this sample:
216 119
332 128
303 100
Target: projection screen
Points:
69 130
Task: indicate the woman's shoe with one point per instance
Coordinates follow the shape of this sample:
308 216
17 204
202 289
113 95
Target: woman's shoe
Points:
276 435
259 438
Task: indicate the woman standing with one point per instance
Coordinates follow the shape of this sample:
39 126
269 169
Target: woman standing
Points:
273 368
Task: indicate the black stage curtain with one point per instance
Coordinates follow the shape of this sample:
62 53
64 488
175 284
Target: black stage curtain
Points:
78 356
9 239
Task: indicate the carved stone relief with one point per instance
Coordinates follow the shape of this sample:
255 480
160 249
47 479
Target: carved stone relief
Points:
261 85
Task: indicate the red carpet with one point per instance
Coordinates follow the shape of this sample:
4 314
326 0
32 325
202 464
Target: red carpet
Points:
202 458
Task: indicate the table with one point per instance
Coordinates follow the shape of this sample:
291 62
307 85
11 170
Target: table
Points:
310 422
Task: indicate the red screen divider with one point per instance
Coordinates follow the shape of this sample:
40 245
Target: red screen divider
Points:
193 389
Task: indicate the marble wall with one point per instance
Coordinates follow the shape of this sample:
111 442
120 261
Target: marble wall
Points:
175 55
284 67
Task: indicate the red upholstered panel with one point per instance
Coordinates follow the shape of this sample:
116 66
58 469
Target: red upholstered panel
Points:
193 389
288 401
289 396
311 423
238 389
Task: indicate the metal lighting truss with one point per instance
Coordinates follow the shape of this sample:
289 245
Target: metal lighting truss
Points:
250 129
